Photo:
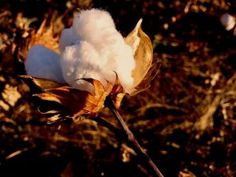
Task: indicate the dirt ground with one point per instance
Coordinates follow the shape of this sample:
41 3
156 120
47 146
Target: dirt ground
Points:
186 120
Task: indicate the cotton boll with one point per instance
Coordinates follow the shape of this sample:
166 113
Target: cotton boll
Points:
81 61
43 63
68 37
113 55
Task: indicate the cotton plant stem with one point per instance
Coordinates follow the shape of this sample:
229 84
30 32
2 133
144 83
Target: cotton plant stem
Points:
110 126
131 138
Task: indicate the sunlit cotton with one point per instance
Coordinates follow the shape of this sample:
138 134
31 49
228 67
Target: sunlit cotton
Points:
91 48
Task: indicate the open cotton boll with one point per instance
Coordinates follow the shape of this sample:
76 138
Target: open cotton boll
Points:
67 38
113 55
43 63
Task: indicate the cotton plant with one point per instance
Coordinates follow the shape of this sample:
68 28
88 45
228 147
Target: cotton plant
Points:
93 67
93 61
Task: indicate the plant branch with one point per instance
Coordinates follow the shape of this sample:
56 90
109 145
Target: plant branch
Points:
131 138
110 126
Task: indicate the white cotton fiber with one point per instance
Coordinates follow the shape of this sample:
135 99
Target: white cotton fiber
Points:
67 38
228 21
43 63
101 52
91 49
81 61
91 25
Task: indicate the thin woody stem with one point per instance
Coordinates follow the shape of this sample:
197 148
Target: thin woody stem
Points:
131 138
110 126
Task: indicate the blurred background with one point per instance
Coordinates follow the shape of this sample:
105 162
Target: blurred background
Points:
186 120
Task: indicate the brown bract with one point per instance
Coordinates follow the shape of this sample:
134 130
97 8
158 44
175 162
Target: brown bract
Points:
43 36
77 102
143 54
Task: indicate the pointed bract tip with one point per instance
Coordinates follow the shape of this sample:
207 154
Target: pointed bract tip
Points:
138 25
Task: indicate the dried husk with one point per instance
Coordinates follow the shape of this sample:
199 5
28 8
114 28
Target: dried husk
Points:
143 54
77 102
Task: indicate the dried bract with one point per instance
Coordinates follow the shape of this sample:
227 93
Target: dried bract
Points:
143 54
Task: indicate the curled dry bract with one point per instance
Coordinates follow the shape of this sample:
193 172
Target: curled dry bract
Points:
143 53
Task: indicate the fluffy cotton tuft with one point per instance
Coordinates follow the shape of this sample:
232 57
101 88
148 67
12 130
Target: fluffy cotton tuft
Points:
78 63
100 53
92 25
67 38
91 49
42 62
228 21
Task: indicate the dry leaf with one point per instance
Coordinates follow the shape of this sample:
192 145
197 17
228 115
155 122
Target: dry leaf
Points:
142 46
